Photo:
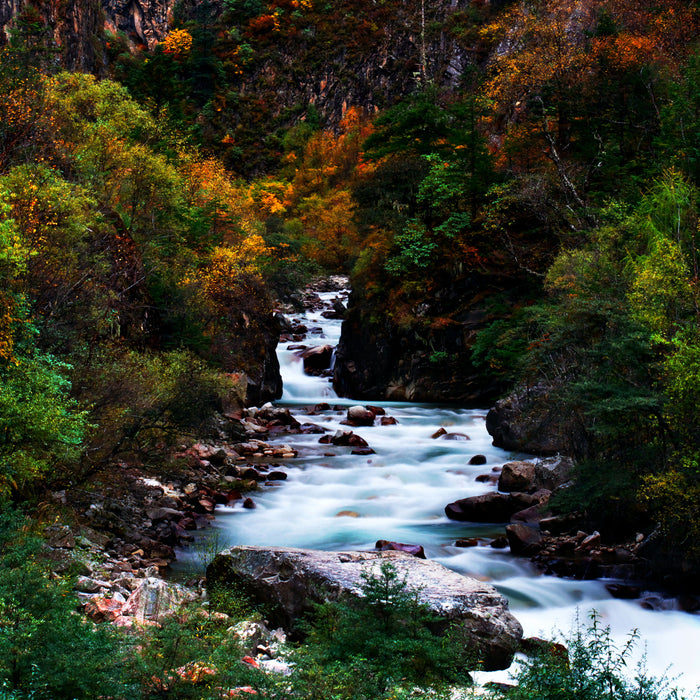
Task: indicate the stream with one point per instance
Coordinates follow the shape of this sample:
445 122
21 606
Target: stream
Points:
334 500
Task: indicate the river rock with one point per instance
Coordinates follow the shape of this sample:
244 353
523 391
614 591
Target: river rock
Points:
292 580
154 598
549 473
415 550
490 507
317 358
527 420
523 539
517 476
103 609
359 415
344 438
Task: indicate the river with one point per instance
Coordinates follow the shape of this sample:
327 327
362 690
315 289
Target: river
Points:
335 500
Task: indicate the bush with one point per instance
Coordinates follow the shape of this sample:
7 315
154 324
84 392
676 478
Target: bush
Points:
593 669
380 646
47 650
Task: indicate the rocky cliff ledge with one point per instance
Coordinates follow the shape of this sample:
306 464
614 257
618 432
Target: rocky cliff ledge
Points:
291 580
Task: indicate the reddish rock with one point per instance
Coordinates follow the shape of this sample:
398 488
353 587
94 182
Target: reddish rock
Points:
356 441
101 609
456 436
517 476
204 505
344 439
249 503
438 433
414 549
277 476
311 429
592 541
362 451
489 507
478 460
187 523
486 478
532 515
523 539
359 415
388 420
317 358
251 473
377 410
467 542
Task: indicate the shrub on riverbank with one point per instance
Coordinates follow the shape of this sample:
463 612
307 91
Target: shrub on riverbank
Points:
591 667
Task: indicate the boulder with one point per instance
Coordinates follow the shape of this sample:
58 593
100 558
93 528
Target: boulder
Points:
359 415
415 550
548 473
490 507
317 358
154 598
103 609
528 420
291 580
523 539
517 476
343 438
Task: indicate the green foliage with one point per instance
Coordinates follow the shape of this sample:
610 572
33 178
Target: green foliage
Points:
415 250
377 646
41 428
144 399
47 650
590 667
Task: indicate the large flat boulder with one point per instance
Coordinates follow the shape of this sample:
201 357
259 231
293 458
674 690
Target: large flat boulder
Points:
290 580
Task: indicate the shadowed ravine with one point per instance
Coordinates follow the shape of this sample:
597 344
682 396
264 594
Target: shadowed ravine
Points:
335 500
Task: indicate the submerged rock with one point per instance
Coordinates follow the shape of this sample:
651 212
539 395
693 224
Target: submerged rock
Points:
291 580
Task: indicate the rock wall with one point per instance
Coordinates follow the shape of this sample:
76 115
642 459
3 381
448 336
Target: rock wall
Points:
380 359
74 29
144 23
360 57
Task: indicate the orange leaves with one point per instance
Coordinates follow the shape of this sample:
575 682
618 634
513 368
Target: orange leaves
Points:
178 43
626 51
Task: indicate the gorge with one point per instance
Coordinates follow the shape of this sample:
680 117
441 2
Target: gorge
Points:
335 500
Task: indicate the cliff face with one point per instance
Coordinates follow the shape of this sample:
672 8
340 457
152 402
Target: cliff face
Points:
73 29
144 23
379 358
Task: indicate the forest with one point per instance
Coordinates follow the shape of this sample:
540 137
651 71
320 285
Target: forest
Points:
532 165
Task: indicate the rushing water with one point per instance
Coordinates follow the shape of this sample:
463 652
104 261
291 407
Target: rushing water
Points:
334 500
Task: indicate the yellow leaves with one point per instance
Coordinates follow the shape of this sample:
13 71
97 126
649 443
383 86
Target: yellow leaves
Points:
226 268
178 43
